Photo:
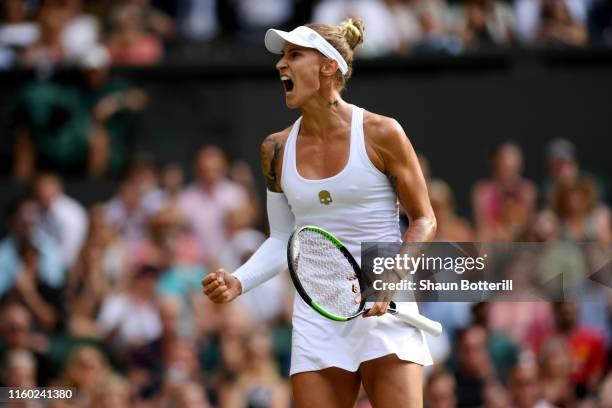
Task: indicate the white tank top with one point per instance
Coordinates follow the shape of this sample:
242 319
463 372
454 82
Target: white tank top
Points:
356 205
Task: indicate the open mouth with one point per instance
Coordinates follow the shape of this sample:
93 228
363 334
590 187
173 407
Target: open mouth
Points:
287 83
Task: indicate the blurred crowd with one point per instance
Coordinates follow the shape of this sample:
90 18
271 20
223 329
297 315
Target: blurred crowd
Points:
107 299
44 33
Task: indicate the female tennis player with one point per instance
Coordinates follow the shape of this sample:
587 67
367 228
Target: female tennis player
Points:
341 168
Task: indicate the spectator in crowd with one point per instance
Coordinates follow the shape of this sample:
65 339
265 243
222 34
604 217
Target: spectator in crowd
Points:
504 203
143 171
206 203
558 27
381 39
530 16
585 347
80 32
100 269
48 48
495 395
220 346
544 227
256 16
451 227
155 19
522 321
182 371
61 216
19 369
53 131
488 23
258 382
524 386
114 105
76 130
503 352
474 370
582 216
25 229
66 33
168 243
86 370
172 180
198 19
555 367
128 214
131 320
563 169
17 31
406 22
440 390
44 301
113 255
186 394
240 172
130 43
111 392
180 273
558 257
17 333
436 33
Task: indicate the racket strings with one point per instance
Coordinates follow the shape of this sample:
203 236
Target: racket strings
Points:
326 275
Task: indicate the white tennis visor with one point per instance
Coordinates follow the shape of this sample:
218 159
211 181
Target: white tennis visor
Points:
304 37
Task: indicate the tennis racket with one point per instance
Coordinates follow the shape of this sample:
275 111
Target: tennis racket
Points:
328 279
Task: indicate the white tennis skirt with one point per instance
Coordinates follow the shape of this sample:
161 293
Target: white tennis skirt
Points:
319 343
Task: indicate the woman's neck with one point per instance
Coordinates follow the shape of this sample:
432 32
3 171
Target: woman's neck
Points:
324 113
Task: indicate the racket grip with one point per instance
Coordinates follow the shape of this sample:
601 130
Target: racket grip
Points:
407 314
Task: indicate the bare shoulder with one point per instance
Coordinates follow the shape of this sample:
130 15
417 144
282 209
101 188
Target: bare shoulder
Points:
382 131
272 149
385 141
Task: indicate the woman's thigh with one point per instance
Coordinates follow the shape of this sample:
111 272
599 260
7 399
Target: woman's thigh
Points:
391 382
328 388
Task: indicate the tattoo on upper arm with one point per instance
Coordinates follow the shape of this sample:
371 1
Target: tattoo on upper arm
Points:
269 159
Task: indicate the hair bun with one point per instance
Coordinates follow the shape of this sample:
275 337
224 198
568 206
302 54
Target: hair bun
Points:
353 30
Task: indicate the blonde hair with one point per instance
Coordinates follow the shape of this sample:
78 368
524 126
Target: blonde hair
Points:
344 37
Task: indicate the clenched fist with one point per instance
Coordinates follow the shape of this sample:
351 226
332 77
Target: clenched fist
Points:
221 286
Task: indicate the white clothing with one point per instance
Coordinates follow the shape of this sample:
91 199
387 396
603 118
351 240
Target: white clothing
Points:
357 204
66 221
18 34
264 13
135 322
79 35
199 19
382 35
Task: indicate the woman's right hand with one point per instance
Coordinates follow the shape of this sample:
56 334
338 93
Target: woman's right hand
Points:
221 286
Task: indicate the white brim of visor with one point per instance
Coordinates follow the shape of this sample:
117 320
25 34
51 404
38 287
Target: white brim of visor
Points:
304 37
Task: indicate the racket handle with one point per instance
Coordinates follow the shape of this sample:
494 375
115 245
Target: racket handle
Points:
414 318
